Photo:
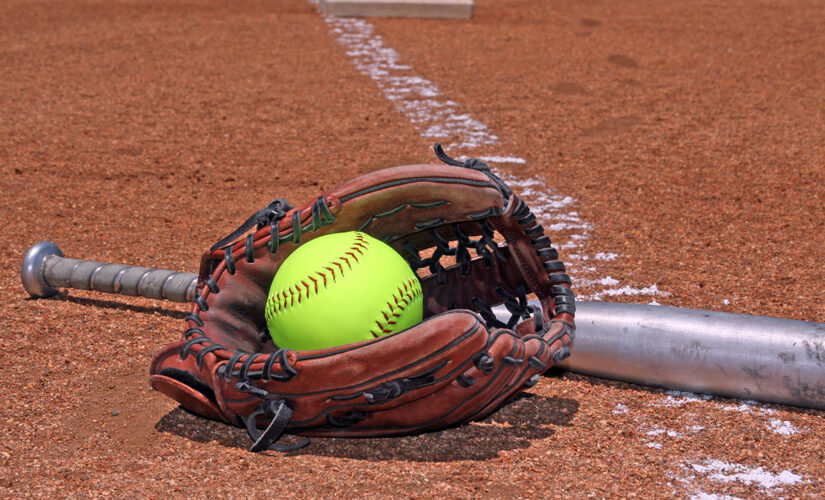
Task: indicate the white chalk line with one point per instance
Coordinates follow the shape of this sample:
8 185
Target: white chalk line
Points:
728 472
659 437
745 406
439 118
417 98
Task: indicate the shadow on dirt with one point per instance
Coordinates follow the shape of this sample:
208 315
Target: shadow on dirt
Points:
514 426
112 304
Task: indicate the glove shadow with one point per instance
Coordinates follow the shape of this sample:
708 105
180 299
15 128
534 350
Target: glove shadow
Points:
513 426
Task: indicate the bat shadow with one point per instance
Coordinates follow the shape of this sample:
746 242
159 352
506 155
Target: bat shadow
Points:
111 304
513 426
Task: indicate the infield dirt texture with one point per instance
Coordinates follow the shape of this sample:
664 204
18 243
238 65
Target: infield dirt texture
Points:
676 152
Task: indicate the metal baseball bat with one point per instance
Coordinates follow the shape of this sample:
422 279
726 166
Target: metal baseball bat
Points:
45 269
750 357
734 355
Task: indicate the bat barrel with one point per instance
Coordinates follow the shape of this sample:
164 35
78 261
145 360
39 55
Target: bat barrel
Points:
735 355
45 269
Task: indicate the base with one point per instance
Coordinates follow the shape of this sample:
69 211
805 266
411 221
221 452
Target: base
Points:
443 9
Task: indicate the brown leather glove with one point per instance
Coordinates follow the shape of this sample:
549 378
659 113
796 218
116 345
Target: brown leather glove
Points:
473 243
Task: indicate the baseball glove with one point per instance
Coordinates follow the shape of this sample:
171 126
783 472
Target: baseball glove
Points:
473 243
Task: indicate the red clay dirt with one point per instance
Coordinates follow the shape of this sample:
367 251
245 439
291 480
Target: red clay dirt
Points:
691 135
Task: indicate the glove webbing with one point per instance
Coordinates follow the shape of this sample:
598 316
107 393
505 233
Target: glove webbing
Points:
485 247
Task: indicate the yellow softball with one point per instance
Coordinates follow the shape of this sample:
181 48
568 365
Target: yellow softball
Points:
339 289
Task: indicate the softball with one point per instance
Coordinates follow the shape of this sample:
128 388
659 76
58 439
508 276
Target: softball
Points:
339 289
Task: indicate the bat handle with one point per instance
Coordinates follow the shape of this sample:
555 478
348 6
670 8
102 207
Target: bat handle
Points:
45 268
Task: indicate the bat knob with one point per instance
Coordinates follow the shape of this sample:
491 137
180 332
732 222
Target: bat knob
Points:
32 275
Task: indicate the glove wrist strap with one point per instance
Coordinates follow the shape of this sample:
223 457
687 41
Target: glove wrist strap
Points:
280 414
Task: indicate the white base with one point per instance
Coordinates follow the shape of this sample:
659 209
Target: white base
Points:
444 9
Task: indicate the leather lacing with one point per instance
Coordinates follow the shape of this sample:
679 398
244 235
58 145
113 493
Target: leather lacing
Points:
515 301
276 410
475 164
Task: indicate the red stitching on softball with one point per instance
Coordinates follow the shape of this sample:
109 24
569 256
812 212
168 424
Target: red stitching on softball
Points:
392 311
401 302
407 292
280 298
383 330
306 287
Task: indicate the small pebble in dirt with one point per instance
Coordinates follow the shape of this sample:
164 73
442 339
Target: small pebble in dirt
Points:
115 413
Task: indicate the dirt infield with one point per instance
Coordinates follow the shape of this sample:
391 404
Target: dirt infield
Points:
675 150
